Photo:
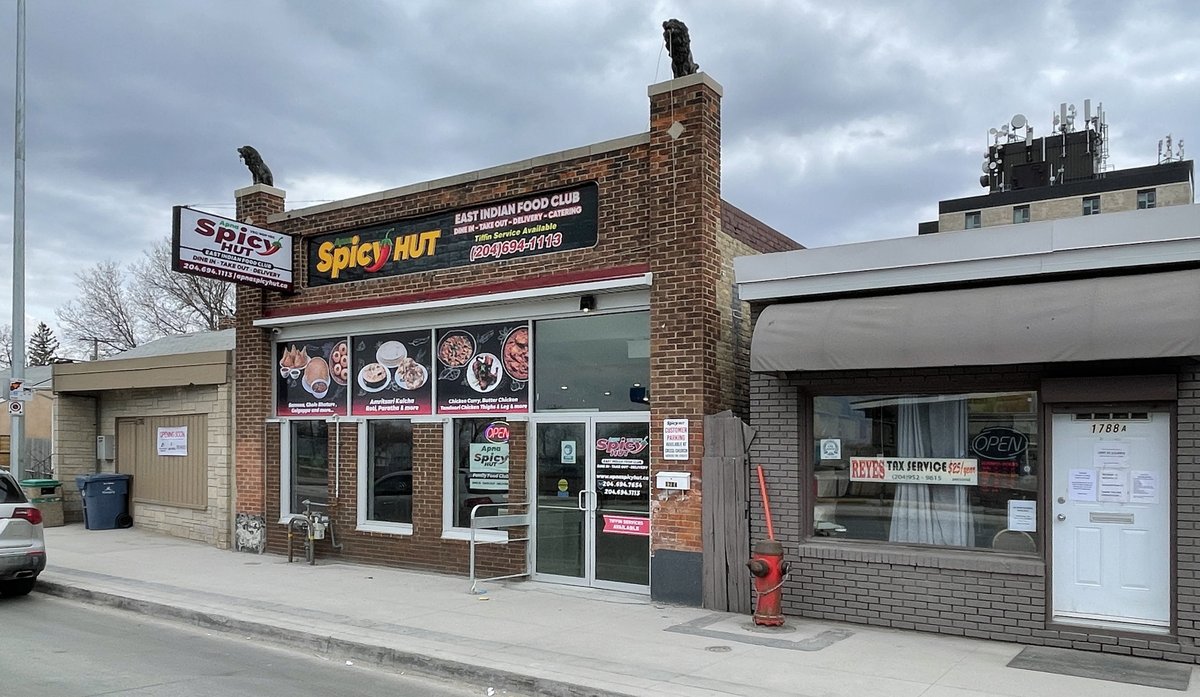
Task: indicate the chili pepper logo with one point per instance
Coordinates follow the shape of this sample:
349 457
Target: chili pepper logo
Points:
385 253
275 247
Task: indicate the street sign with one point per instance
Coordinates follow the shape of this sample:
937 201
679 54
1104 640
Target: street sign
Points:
16 408
18 391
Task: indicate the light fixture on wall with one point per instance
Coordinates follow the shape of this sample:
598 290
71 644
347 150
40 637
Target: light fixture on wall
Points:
587 303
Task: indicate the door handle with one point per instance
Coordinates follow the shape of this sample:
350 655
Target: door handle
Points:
1062 516
579 499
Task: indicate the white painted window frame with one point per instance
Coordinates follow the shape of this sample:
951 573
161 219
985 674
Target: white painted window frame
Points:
363 524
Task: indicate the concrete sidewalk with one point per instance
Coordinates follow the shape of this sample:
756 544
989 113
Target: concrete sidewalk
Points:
535 638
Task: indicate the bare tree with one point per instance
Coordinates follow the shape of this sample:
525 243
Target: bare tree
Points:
176 303
103 319
6 346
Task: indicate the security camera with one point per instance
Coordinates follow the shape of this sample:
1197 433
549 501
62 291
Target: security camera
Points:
275 331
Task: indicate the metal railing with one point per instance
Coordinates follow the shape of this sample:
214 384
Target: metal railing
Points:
496 522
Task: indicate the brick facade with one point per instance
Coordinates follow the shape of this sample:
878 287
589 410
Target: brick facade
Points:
660 212
977 594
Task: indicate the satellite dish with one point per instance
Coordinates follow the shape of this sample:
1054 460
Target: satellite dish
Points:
991 131
987 165
992 165
1019 121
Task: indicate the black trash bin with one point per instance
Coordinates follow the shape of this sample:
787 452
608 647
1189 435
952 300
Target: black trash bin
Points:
105 500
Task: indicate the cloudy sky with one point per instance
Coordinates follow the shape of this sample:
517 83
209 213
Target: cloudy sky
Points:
842 121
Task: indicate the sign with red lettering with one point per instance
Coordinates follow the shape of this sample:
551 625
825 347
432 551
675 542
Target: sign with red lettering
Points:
208 245
915 470
626 525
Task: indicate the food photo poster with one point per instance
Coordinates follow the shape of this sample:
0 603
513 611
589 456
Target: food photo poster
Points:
483 368
311 377
390 374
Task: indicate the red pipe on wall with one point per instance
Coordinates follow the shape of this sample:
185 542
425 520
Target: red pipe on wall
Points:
762 488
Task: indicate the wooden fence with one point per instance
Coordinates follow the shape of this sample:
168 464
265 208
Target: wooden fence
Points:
725 476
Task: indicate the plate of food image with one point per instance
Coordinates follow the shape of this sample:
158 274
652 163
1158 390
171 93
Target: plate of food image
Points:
339 362
411 375
484 373
373 377
294 360
390 353
316 377
455 349
516 353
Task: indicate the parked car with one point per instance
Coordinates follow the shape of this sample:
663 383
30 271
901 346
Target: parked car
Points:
22 545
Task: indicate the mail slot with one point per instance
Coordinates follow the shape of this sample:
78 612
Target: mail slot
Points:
1116 518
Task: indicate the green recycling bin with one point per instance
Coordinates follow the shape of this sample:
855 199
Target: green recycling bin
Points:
46 494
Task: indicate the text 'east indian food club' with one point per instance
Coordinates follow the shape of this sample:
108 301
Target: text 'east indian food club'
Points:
337 255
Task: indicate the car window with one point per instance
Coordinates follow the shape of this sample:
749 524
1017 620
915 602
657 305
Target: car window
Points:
10 492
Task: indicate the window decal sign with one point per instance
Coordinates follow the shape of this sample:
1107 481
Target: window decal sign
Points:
489 467
915 470
623 465
482 369
626 525
535 224
390 374
172 441
311 377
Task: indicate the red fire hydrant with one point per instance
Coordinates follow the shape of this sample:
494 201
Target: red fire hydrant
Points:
769 570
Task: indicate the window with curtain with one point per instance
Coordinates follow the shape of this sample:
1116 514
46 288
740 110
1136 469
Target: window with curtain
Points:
939 470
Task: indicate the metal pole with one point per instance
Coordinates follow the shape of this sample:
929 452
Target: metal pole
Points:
17 440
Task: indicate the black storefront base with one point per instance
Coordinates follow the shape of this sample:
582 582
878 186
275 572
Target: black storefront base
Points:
676 577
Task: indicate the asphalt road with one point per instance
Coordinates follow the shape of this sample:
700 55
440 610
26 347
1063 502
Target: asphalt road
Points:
50 646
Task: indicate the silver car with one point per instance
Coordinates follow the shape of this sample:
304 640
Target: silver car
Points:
22 546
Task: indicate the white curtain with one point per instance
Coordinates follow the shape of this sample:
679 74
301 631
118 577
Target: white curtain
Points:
938 514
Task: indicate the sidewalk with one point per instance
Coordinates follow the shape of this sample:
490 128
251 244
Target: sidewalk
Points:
535 638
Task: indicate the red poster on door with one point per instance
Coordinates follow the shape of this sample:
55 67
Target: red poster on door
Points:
626 525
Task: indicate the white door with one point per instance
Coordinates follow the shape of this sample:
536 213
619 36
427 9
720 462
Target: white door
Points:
1110 517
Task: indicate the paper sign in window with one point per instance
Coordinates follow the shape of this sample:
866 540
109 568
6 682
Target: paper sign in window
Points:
1110 454
1022 516
1144 488
1114 485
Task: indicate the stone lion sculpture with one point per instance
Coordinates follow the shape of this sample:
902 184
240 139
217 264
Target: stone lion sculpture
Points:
679 46
258 169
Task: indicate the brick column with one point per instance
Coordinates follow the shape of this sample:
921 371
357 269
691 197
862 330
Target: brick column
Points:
685 218
252 368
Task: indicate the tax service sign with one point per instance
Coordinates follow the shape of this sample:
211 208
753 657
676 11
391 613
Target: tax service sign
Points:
538 223
203 244
915 470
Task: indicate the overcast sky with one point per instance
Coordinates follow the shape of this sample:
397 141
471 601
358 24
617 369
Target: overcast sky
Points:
842 121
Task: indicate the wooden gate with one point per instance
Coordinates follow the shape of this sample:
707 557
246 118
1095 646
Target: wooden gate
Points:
724 474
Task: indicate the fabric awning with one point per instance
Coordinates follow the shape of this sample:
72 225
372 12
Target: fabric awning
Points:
1114 317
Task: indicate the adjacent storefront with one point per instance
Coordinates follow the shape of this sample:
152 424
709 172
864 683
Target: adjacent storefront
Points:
505 341
984 447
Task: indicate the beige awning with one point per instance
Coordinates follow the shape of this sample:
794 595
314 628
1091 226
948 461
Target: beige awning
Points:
1115 317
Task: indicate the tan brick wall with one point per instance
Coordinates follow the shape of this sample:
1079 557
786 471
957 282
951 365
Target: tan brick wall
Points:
74 447
213 524
1071 206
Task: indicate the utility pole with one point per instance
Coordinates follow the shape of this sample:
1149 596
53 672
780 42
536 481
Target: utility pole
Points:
17 439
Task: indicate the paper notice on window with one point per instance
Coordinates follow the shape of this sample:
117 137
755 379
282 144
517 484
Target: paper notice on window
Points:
1022 516
831 448
1144 487
1083 485
1111 454
1114 485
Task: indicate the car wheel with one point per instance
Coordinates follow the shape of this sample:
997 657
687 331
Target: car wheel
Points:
20 586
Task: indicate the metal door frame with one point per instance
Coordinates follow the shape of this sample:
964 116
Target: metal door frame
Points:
587 496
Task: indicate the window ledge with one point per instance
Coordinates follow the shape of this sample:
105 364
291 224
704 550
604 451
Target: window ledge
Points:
384 528
937 559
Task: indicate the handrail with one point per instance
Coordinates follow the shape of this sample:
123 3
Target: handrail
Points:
510 520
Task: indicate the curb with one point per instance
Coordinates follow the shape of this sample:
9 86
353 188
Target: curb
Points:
331 647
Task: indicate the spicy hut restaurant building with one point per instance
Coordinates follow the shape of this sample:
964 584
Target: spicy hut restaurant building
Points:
989 432
518 335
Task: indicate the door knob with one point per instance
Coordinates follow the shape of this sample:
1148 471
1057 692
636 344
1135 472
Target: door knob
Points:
1061 516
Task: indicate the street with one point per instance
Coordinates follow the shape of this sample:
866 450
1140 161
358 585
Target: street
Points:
50 646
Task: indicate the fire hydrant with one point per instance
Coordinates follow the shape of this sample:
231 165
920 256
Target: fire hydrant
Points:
769 571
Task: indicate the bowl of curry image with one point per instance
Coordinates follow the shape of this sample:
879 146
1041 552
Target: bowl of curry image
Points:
455 349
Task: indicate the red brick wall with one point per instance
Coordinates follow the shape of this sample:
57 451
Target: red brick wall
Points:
659 210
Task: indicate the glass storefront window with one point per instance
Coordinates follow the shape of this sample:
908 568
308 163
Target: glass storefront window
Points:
593 363
480 470
389 470
310 463
928 469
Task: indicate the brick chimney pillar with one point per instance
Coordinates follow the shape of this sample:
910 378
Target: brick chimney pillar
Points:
685 175
256 446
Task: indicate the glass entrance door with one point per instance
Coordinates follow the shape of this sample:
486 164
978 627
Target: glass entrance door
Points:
593 501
